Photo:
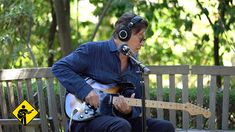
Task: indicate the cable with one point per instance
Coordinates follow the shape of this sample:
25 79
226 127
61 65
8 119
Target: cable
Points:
71 118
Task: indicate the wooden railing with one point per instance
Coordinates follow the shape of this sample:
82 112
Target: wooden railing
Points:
41 89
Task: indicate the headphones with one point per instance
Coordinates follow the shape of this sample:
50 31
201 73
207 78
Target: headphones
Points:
124 34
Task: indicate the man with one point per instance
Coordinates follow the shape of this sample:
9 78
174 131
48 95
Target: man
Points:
101 61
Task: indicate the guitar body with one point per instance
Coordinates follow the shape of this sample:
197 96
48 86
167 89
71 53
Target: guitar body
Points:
78 110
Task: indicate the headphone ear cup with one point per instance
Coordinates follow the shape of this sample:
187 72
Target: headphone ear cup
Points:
124 34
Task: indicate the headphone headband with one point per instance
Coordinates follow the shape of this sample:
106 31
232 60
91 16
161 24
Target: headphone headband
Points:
134 21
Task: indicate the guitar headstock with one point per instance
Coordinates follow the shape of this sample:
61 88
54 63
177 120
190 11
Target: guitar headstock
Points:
196 110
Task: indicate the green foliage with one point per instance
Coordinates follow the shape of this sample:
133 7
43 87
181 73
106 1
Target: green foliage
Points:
14 19
177 35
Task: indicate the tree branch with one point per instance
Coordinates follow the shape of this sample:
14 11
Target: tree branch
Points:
208 18
106 7
28 42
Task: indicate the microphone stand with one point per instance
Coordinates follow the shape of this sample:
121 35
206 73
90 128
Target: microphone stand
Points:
143 70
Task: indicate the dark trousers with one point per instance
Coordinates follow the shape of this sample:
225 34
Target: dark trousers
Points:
117 124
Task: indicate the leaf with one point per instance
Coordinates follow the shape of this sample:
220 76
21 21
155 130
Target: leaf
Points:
205 11
205 37
188 25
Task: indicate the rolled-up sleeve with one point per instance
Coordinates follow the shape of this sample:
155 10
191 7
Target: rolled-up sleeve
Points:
69 69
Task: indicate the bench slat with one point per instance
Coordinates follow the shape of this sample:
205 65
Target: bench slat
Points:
35 121
225 103
146 83
29 91
9 122
200 96
52 103
213 70
3 106
19 91
11 97
42 107
12 103
159 95
17 74
3 102
172 98
185 100
169 69
62 100
212 102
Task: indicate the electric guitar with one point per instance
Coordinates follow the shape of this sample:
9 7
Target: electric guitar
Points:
77 110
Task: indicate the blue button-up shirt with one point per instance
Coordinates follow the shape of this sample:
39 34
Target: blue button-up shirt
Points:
99 61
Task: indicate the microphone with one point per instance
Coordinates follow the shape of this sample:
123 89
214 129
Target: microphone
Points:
125 50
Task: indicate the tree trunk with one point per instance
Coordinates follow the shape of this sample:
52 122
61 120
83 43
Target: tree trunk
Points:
51 37
216 51
217 59
62 16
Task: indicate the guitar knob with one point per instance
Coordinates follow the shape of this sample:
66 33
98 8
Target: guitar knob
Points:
81 116
86 112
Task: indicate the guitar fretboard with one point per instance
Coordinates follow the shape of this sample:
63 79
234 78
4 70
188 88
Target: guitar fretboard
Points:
154 104
192 109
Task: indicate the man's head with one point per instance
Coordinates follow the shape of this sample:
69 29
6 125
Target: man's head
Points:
130 29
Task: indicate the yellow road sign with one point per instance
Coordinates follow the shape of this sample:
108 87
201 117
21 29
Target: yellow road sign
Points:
25 112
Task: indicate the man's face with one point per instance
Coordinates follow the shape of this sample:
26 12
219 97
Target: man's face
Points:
136 41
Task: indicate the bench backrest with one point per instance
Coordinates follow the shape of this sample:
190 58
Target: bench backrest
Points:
39 87
171 72
225 73
185 74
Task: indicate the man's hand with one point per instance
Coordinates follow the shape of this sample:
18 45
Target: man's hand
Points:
92 99
121 105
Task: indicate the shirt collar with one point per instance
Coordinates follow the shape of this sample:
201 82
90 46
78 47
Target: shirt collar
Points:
112 45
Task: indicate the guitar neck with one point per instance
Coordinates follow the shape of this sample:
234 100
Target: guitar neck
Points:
154 104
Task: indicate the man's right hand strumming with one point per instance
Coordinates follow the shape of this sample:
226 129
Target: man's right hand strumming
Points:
92 98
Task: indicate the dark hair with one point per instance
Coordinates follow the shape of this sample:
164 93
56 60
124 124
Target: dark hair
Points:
125 19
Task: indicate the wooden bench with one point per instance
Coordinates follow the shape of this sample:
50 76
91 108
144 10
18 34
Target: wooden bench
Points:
39 87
